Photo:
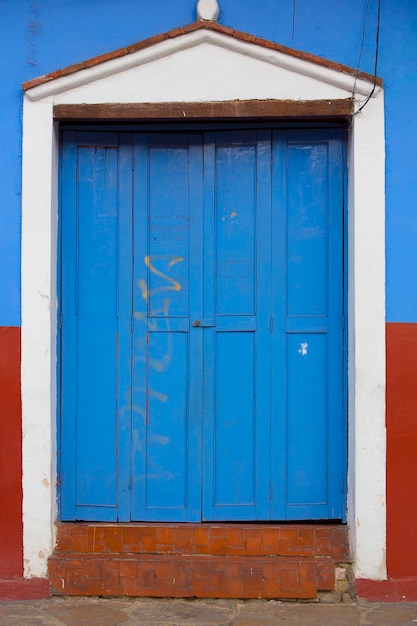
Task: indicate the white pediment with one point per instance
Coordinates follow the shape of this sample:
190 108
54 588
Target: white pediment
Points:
198 66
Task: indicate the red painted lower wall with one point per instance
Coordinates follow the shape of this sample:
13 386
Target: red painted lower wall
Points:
391 590
401 466
11 530
402 450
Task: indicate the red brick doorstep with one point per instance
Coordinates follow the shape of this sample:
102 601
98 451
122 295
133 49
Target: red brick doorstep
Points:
197 560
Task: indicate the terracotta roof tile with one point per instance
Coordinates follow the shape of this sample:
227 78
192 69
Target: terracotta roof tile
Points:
189 28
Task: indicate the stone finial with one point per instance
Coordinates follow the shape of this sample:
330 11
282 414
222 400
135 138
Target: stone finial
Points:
208 10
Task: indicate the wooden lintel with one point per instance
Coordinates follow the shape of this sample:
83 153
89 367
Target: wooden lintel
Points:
230 109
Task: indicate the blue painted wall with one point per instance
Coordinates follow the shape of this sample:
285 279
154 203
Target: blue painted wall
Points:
39 36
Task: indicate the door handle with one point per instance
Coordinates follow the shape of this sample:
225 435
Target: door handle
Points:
207 322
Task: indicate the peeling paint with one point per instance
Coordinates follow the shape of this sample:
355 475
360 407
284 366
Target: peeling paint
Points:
163 441
303 349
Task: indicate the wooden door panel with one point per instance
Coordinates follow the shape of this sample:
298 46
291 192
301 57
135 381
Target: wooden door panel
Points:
307 363
89 345
202 344
167 410
236 346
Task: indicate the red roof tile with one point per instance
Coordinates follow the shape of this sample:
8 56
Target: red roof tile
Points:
177 32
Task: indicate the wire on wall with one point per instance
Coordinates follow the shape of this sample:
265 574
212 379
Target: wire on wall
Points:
365 19
378 25
293 18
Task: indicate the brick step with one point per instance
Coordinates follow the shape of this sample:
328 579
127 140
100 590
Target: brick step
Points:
191 576
201 560
199 539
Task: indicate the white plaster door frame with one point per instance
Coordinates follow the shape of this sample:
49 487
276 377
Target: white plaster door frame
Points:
165 70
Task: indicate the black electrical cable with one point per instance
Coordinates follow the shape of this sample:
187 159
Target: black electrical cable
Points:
293 18
365 19
378 24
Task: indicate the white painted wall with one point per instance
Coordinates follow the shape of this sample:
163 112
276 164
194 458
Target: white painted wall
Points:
199 66
366 360
39 246
213 73
167 72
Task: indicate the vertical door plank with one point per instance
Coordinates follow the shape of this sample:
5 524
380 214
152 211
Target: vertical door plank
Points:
264 278
307 299
124 314
92 284
308 413
167 358
337 356
236 426
69 329
278 336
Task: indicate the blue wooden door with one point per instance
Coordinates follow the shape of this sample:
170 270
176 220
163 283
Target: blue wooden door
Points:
237 343
202 326
307 366
95 280
167 353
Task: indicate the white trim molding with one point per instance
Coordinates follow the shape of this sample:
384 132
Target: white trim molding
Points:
171 71
198 54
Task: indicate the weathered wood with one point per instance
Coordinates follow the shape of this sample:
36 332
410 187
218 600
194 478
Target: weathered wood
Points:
262 109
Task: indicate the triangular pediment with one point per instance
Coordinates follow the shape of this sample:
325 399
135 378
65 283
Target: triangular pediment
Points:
199 63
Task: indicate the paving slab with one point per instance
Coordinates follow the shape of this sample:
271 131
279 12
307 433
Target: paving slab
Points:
285 613
185 612
89 613
192 612
388 614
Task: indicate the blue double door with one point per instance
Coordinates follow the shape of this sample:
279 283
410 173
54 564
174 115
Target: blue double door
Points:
202 342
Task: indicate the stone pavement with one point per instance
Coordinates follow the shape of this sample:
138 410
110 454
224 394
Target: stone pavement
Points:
168 612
